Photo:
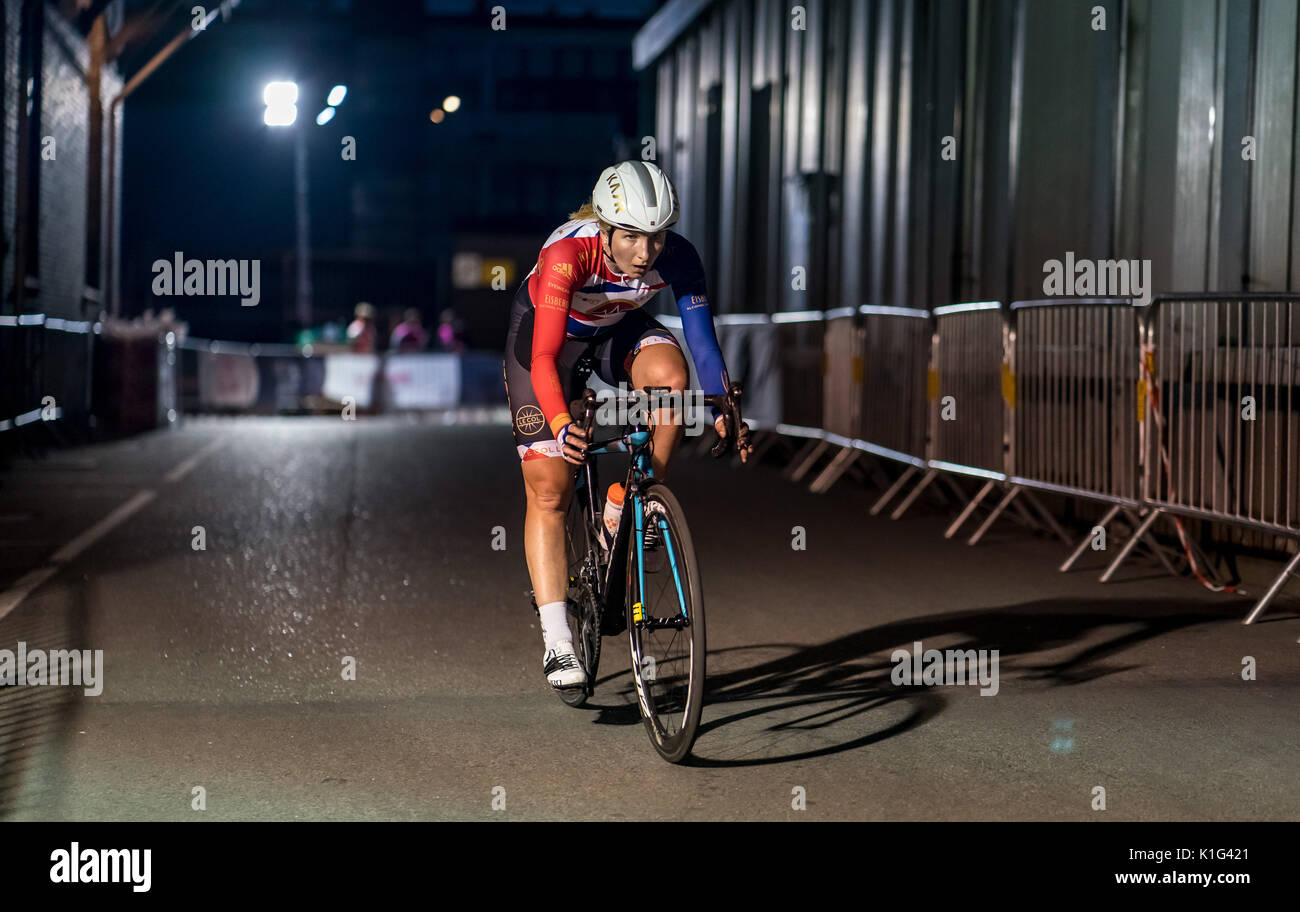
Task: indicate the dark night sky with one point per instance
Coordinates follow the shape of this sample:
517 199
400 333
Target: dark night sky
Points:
202 174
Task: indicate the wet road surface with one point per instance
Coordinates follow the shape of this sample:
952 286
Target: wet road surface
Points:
372 541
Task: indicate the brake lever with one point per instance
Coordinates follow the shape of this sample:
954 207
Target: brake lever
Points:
588 412
734 418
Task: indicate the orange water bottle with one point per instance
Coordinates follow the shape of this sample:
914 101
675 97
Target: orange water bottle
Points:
613 509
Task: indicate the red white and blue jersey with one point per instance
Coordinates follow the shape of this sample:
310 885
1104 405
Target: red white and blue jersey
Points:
577 295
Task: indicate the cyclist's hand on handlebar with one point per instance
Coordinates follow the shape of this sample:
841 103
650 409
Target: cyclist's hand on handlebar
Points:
573 443
743 445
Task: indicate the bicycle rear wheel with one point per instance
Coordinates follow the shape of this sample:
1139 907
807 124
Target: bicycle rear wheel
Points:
584 614
666 628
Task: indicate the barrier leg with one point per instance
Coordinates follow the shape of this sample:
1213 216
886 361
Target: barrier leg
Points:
992 517
892 490
1018 512
1160 551
1161 554
815 450
808 446
1083 545
1129 545
970 508
838 466
1273 590
1047 516
878 475
915 492
958 495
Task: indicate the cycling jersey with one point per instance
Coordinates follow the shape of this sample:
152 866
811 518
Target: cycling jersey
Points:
576 295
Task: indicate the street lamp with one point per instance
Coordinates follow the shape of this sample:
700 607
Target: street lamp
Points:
281 100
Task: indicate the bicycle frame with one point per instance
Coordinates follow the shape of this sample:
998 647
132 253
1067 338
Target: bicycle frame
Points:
635 441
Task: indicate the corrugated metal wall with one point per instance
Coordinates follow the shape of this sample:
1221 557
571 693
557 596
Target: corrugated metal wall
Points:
812 137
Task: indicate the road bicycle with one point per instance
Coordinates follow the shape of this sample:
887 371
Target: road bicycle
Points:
646 580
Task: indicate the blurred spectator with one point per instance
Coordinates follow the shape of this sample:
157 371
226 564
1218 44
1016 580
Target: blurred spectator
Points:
450 332
409 336
362 332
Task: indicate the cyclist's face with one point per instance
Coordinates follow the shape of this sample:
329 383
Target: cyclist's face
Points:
634 252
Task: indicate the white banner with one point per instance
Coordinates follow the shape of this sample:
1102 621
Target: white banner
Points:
348 374
423 381
227 381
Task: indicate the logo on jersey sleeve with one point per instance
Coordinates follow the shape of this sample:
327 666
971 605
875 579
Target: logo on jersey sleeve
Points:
564 269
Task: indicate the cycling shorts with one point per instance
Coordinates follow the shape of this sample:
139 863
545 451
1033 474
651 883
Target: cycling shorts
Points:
610 351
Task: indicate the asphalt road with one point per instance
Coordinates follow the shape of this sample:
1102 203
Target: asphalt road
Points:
373 539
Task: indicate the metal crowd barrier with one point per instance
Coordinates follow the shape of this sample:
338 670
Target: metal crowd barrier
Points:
801 338
1053 397
841 396
891 390
967 404
45 372
1080 411
1222 383
1076 419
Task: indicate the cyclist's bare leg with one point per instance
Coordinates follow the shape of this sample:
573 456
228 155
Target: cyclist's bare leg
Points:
662 365
548 485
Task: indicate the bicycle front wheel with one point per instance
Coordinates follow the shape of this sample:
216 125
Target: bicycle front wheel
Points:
665 607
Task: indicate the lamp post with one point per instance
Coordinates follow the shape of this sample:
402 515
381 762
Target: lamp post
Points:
281 100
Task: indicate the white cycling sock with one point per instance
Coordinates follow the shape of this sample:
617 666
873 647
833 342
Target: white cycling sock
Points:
555 623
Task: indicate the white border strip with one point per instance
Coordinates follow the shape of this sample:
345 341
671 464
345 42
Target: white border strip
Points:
1057 302
887 453
893 311
966 470
741 319
965 308
794 430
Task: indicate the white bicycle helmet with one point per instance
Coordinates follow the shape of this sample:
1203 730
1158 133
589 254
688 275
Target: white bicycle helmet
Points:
635 195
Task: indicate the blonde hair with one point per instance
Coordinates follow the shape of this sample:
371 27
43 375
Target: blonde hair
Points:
586 211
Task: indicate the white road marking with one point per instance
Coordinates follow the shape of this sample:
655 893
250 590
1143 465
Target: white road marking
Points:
102 528
185 467
12 597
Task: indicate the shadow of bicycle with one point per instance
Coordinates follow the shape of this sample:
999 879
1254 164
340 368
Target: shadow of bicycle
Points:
803 702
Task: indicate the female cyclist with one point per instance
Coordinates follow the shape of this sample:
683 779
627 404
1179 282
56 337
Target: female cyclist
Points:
584 296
